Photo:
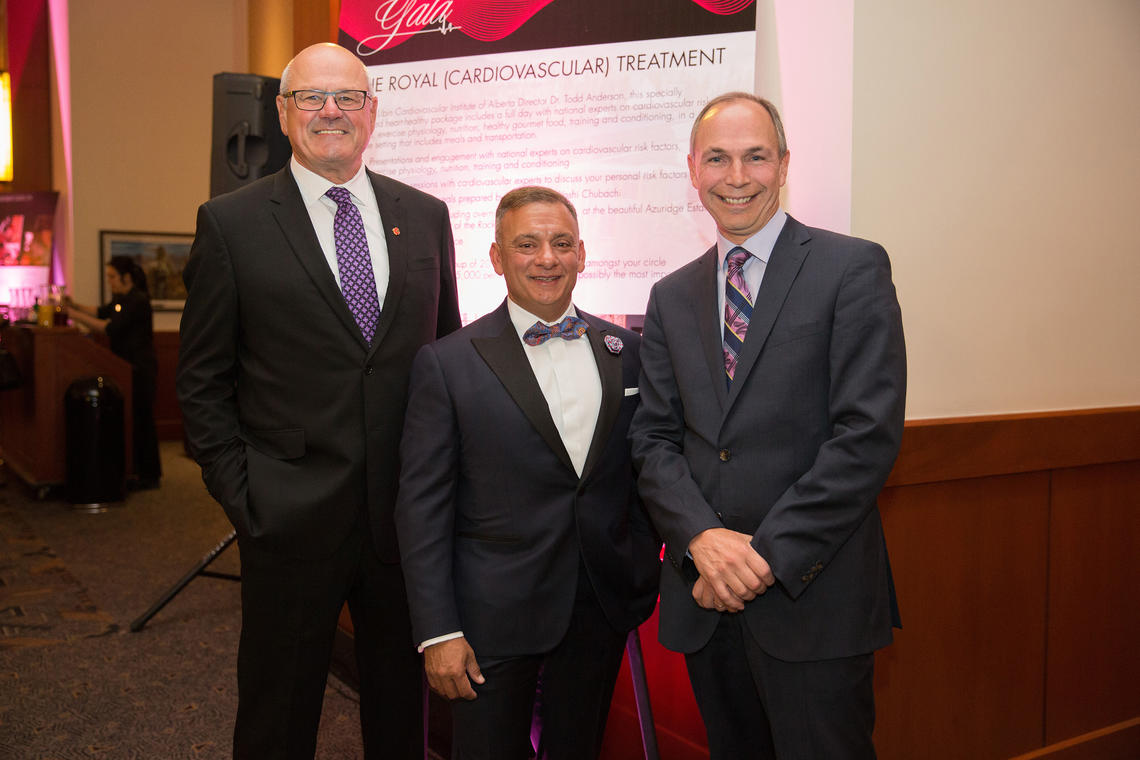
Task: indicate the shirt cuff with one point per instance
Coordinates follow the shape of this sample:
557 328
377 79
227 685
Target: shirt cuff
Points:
439 640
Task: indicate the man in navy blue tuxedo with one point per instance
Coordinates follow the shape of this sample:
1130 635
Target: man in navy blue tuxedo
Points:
527 553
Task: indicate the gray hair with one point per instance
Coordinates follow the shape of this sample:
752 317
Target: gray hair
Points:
781 140
524 196
284 88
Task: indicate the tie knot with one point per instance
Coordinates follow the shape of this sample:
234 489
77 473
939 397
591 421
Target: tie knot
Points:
737 257
570 328
340 195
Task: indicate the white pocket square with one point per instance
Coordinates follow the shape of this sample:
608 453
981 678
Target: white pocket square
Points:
631 391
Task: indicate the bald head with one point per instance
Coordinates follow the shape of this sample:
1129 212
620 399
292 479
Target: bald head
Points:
323 53
329 141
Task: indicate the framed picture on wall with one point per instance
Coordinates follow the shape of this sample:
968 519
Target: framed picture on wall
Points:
161 255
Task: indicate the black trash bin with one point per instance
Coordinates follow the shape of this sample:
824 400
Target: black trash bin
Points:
96 466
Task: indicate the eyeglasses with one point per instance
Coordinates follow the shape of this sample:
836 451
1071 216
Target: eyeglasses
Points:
314 100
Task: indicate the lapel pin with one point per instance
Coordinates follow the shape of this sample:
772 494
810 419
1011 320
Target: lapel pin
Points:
613 344
396 231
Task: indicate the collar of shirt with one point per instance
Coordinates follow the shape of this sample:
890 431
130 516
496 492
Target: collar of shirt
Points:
759 245
523 320
313 188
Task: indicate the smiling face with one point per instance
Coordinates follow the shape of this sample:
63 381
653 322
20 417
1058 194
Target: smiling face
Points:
539 254
736 168
330 141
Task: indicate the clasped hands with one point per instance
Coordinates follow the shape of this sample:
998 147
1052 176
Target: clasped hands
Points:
731 571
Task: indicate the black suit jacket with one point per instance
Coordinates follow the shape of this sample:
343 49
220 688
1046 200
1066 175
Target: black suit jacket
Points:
795 453
492 516
295 420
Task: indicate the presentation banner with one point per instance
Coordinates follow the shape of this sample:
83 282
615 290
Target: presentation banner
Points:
595 99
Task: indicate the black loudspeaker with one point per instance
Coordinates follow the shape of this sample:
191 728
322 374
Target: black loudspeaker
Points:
247 138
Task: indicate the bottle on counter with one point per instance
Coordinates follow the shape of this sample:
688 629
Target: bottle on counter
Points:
59 313
45 314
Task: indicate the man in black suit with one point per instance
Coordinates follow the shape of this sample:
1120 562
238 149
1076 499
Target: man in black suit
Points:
527 553
773 385
304 312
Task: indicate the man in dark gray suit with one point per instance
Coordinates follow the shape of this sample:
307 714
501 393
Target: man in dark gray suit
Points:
309 293
528 555
773 383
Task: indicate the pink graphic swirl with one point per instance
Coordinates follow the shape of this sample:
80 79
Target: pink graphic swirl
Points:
384 24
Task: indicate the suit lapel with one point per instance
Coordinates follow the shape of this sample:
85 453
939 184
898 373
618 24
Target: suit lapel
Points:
784 264
610 372
709 324
392 217
506 357
292 216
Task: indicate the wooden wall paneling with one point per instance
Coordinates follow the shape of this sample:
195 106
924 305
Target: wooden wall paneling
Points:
971 447
964 677
1093 666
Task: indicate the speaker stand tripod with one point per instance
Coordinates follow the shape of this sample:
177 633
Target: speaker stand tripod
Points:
199 569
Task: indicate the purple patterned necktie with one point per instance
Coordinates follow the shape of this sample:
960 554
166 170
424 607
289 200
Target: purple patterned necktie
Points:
357 282
570 328
737 309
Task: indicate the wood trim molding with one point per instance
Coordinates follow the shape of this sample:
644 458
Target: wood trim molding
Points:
970 447
1117 742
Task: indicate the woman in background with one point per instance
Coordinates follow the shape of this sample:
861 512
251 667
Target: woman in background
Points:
129 324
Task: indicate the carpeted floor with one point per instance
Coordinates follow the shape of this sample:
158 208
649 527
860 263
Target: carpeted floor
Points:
74 682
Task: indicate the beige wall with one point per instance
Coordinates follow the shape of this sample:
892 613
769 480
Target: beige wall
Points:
997 156
141 100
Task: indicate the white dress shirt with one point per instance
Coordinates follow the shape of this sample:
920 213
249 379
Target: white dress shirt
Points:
568 375
760 246
322 212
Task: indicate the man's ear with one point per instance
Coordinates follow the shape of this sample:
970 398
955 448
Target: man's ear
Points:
281 118
496 258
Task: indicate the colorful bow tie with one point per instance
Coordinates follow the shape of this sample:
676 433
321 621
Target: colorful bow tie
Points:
570 328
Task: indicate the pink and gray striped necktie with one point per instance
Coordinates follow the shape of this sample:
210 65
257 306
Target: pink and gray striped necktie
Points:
737 310
357 282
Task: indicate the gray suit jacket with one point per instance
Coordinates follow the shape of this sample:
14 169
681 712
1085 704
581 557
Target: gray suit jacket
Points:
295 420
492 516
794 453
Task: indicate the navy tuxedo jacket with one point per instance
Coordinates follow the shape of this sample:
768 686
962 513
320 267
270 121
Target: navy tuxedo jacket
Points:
492 517
295 420
794 453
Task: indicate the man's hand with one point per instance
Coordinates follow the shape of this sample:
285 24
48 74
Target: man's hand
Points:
703 594
731 572
450 667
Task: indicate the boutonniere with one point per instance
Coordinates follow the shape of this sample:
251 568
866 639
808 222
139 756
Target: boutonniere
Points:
613 344
396 231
